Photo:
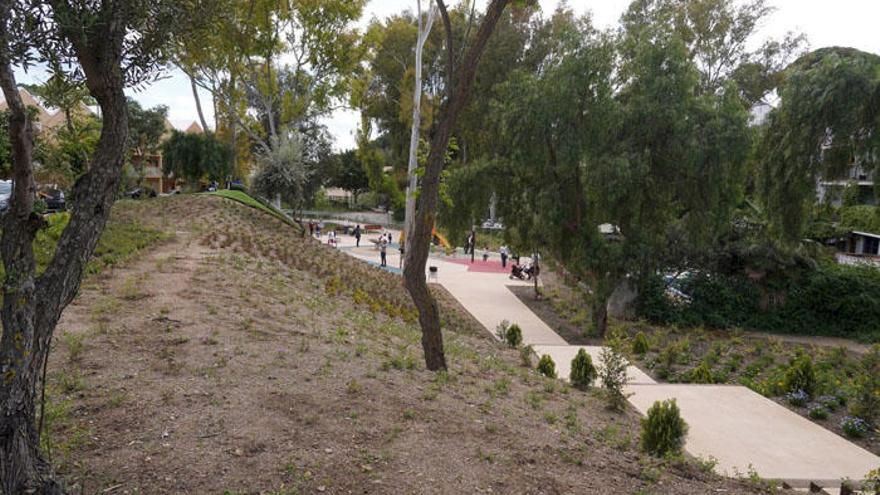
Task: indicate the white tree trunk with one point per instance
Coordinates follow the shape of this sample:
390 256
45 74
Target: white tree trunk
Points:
424 31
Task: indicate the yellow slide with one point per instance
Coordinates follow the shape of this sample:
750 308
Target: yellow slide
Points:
443 241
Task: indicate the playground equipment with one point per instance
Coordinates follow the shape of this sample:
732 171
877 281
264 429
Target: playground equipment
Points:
442 240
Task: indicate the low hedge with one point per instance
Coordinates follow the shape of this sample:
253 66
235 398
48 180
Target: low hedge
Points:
833 300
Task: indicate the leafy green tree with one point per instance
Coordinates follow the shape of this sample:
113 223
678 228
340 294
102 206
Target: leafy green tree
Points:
195 157
286 63
65 93
350 174
599 175
826 123
716 35
283 172
145 126
67 155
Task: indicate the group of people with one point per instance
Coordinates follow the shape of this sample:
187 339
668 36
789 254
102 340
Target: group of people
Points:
527 271
315 228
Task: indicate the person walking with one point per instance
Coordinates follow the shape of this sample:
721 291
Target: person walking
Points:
504 253
472 242
319 228
357 236
311 229
383 248
401 242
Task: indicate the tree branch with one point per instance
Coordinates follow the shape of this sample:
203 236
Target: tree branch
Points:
450 60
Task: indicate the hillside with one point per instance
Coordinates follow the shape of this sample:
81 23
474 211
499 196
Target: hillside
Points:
236 356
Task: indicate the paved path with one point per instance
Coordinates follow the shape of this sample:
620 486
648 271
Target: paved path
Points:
743 430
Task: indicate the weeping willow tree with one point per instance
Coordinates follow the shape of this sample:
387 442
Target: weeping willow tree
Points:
826 124
599 173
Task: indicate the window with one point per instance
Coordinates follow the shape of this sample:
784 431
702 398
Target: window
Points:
870 245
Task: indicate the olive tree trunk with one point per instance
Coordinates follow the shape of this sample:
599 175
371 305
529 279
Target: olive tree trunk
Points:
418 245
32 305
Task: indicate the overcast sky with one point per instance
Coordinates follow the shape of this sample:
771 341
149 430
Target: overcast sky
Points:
826 23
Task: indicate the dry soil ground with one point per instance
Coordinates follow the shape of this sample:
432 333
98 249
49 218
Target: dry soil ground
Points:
238 357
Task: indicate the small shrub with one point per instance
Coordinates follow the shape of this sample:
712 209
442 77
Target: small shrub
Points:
75 343
865 400
669 356
546 366
707 465
501 330
818 411
800 375
513 335
525 355
854 427
640 345
701 374
872 482
613 376
663 430
798 398
582 370
829 402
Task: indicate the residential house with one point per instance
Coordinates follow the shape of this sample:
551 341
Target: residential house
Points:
859 248
831 188
151 166
45 123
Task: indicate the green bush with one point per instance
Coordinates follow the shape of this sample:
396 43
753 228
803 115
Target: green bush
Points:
663 429
613 376
582 370
669 355
818 412
546 366
865 399
525 355
830 299
800 375
701 374
872 482
640 345
865 218
513 335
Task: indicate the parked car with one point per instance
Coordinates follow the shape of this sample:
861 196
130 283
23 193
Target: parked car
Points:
5 194
54 199
141 192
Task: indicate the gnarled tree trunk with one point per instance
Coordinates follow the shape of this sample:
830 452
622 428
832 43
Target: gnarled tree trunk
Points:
32 305
419 244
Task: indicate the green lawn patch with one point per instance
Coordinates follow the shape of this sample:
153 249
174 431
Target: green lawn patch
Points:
119 241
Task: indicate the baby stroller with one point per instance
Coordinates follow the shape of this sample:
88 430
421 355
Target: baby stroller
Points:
521 272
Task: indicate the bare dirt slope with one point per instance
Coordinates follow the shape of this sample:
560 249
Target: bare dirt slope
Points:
239 357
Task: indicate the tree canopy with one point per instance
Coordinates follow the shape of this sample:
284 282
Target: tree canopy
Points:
597 174
827 122
194 157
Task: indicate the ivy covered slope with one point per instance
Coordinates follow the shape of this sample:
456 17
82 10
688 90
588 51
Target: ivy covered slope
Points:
242 357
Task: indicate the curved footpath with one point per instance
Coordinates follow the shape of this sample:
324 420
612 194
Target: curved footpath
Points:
744 431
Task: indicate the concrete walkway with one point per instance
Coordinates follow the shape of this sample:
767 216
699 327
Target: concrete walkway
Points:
744 431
